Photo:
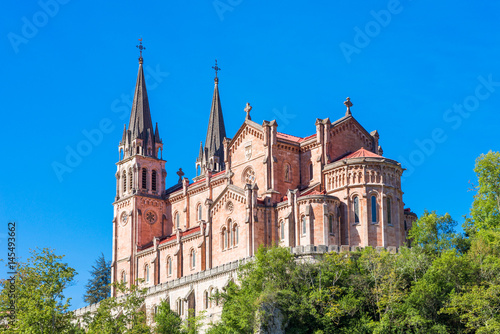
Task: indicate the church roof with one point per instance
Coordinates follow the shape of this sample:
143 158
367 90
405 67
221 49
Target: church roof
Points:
216 130
362 153
295 139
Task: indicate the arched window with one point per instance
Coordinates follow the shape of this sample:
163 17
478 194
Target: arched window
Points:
235 235
153 180
177 220
304 227
193 259
180 308
282 230
355 203
169 266
146 273
124 276
311 171
206 297
374 209
230 233
389 221
210 296
406 226
330 223
200 211
287 173
144 178
130 179
224 238
124 180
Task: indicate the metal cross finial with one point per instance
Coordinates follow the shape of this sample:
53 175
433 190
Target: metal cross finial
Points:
216 68
348 104
140 47
247 110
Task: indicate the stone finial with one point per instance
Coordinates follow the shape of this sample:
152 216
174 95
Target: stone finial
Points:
348 104
380 151
181 174
247 109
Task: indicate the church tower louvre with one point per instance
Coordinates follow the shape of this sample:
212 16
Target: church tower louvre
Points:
139 210
211 157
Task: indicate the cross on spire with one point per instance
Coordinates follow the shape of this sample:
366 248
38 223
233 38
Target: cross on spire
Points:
217 69
247 110
140 47
348 104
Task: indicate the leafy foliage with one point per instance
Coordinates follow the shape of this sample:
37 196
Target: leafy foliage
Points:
98 286
167 321
39 301
122 315
485 211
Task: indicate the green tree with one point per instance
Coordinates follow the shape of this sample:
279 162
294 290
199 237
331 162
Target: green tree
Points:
167 321
120 315
98 286
39 301
435 233
485 211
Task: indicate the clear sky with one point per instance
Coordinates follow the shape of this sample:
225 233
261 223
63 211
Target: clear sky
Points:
425 74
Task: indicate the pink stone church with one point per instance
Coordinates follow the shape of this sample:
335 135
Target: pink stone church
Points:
333 190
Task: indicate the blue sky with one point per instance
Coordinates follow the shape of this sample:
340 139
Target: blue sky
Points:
425 74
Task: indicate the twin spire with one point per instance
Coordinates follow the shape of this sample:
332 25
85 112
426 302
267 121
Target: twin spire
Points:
140 125
141 138
212 155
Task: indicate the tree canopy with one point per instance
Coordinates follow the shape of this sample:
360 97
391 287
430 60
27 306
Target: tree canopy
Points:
98 286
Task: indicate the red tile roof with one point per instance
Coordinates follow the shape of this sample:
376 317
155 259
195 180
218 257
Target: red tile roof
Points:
293 138
362 153
183 234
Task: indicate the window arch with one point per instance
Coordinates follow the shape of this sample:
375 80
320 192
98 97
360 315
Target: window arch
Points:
311 171
224 238
210 296
235 237
282 230
374 208
330 224
199 211
355 203
124 276
124 179
192 258
144 178
177 220
180 305
206 299
169 266
130 179
389 220
146 273
153 180
304 227
288 172
230 232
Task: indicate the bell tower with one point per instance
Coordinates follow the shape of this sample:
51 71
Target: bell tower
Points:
139 208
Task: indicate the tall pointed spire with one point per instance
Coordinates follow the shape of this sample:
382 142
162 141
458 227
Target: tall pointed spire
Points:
140 117
216 130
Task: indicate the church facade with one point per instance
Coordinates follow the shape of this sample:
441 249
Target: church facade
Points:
331 190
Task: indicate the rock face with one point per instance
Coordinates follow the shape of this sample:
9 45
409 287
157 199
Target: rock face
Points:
270 320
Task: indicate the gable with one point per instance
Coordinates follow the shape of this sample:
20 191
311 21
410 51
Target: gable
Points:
231 193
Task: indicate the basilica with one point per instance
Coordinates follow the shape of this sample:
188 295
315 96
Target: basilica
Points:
330 191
